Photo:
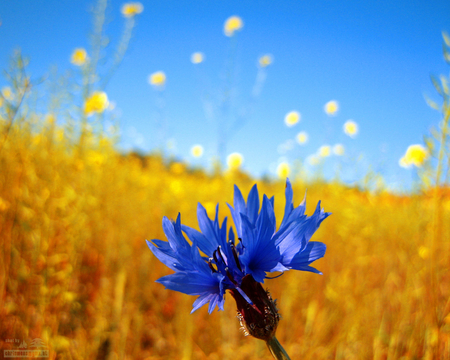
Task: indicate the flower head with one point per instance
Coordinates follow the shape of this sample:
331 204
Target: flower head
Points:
97 102
235 160
240 267
338 149
415 155
157 79
331 108
79 57
197 151
292 118
283 170
232 24
265 60
197 58
351 128
302 137
324 151
132 9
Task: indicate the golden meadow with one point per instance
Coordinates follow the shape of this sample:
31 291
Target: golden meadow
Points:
75 270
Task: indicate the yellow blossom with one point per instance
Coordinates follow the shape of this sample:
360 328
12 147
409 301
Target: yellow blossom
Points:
197 58
197 150
157 79
265 60
7 92
331 108
131 9
292 118
235 160
351 128
324 151
338 149
302 137
79 57
415 155
232 24
97 102
283 170
313 160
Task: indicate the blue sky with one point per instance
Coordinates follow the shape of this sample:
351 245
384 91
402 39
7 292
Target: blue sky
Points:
373 57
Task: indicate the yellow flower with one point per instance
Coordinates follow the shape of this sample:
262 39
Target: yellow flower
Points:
283 170
97 102
324 151
265 60
234 161
197 58
197 150
79 57
415 155
424 252
351 128
131 9
157 79
292 118
302 137
338 149
7 93
331 107
313 160
232 24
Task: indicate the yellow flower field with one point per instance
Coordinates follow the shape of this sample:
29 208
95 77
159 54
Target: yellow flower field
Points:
76 272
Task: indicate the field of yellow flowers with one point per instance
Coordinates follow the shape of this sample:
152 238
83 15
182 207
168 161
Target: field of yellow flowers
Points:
75 270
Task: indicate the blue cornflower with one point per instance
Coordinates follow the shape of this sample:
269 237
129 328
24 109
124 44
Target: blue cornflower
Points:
241 267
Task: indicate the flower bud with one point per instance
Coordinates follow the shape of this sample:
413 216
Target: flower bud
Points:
259 319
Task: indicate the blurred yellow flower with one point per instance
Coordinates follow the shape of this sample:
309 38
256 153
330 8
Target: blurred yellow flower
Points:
351 128
197 150
415 155
265 60
157 79
292 118
97 102
331 107
313 160
131 9
7 92
283 170
79 57
235 160
424 252
232 24
324 151
338 149
302 137
197 58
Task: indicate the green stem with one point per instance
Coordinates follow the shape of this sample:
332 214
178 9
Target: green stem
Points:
277 350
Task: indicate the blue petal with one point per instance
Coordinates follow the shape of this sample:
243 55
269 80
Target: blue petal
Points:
253 204
193 282
204 243
313 251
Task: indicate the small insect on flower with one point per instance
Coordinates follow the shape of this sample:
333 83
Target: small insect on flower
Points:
331 108
232 24
79 57
157 79
292 118
132 9
97 102
240 267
